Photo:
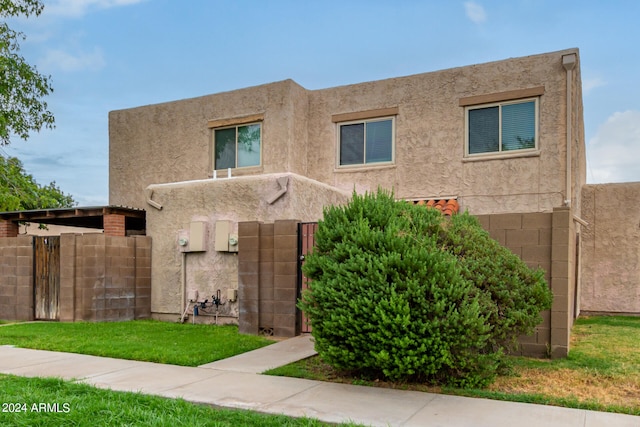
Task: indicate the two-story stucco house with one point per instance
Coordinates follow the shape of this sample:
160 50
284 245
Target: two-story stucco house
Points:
225 177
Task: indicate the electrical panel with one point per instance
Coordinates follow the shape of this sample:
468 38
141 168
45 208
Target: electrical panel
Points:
194 239
222 235
198 236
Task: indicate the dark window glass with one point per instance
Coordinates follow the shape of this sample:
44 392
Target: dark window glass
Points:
352 144
366 142
225 148
484 128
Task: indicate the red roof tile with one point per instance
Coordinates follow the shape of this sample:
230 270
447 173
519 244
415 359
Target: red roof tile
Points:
448 207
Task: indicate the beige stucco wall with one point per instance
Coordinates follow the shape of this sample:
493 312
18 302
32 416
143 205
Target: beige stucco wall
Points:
611 248
164 151
171 142
430 135
236 199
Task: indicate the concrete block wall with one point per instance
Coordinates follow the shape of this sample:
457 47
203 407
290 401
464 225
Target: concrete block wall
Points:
563 280
285 277
104 278
249 277
267 272
16 278
547 241
142 255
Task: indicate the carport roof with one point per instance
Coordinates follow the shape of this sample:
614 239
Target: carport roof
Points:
88 217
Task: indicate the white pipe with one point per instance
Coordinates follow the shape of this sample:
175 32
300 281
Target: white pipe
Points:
183 284
184 313
569 63
580 221
151 202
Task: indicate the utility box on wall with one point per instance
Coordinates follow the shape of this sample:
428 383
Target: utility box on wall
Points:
224 240
195 238
198 236
222 235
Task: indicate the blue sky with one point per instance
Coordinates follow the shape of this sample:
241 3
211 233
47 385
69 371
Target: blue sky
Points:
105 55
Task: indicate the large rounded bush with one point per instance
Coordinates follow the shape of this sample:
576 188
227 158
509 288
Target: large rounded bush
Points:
393 294
514 294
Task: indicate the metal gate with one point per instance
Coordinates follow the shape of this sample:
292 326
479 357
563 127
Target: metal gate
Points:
306 241
47 277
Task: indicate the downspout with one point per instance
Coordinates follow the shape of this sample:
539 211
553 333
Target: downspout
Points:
569 63
183 285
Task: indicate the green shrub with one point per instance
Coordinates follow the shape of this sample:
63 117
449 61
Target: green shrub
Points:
515 295
392 294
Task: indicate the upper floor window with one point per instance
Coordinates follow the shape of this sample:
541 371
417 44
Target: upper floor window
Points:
365 141
237 146
502 127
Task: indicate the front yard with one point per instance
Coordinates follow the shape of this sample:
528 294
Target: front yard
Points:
601 373
144 340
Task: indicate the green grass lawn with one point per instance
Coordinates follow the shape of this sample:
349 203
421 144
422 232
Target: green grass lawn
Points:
602 371
145 340
83 405
162 342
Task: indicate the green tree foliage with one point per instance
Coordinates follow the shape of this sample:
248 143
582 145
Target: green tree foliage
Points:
19 191
21 86
393 293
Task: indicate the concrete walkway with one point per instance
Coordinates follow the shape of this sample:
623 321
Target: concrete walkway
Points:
236 383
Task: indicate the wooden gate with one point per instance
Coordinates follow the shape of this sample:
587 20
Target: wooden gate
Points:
306 241
47 277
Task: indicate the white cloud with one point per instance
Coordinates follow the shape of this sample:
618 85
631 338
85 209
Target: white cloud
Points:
589 84
78 8
475 12
613 152
61 60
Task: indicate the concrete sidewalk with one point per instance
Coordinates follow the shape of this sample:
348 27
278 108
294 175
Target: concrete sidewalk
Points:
235 383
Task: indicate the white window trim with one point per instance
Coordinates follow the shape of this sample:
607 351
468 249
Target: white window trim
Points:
372 164
235 126
500 153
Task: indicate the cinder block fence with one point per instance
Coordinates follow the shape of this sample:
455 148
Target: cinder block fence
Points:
268 273
99 278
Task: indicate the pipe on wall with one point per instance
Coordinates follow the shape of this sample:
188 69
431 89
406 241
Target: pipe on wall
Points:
569 63
183 284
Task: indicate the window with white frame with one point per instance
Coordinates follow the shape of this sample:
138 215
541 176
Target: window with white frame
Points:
502 127
365 142
237 146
